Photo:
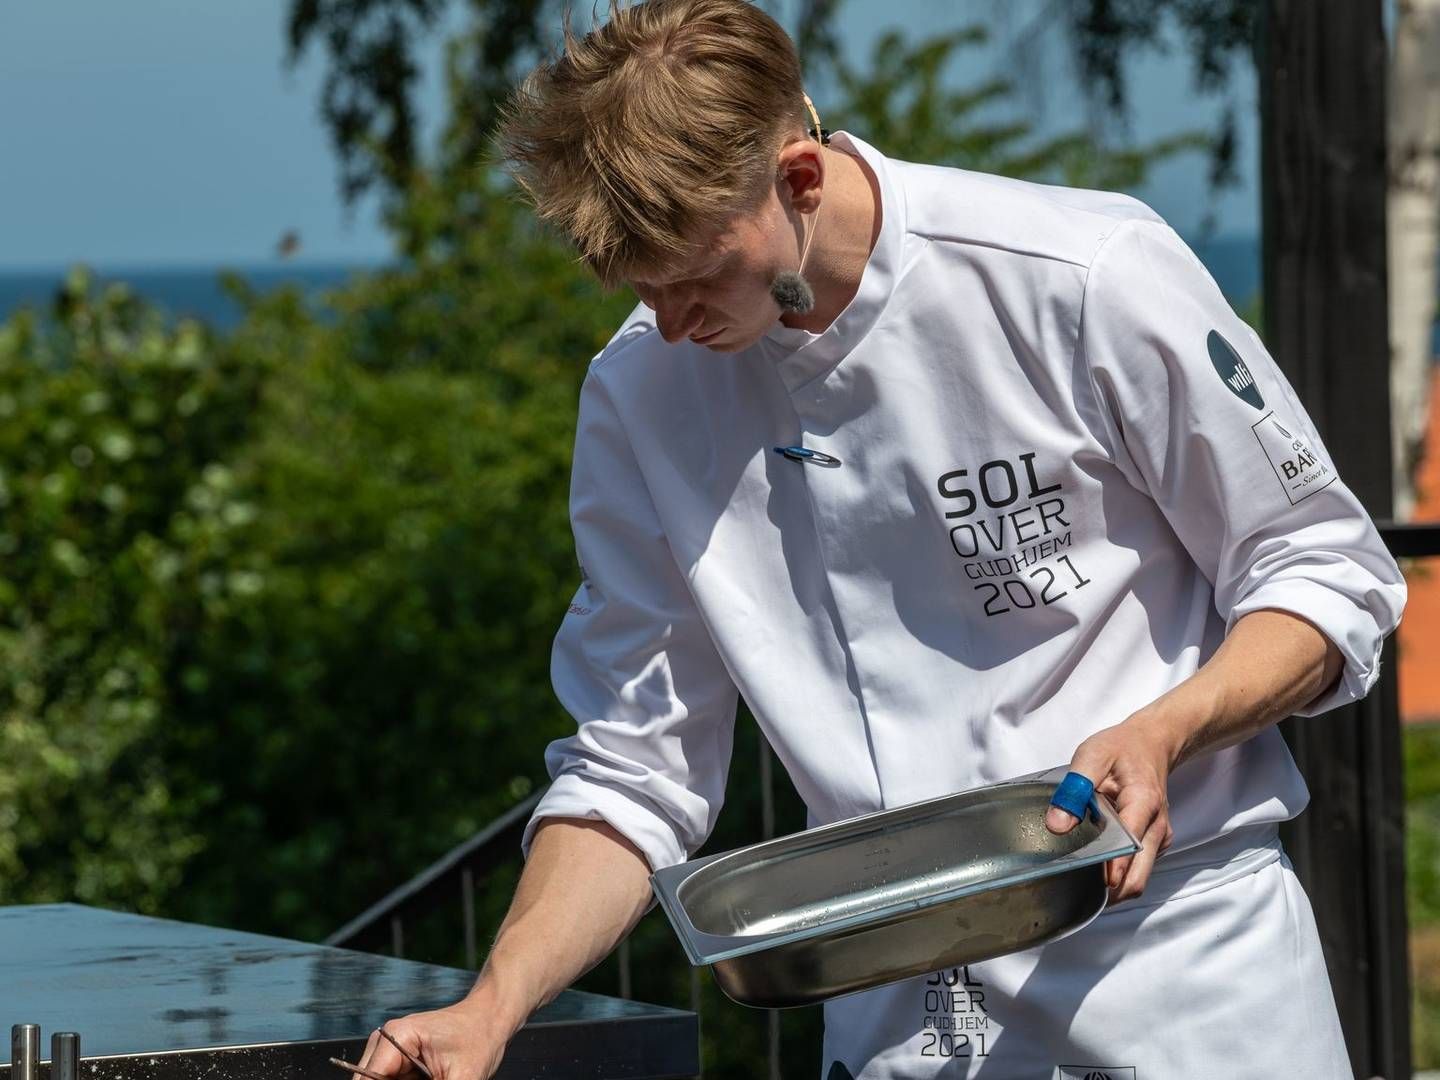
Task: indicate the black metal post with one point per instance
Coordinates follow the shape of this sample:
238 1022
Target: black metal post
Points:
1322 67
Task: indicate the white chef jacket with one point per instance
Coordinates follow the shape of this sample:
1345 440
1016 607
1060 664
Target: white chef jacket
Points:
1066 469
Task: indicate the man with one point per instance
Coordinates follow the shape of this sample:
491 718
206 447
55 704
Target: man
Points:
1040 495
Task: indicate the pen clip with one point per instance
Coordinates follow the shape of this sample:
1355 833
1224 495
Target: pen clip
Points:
805 455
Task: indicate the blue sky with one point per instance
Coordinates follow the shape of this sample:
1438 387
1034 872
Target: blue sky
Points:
166 132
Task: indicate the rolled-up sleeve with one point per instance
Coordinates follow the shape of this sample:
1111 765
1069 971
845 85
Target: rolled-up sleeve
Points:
1198 415
634 664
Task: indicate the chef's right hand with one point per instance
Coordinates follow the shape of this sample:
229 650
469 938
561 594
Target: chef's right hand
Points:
459 1042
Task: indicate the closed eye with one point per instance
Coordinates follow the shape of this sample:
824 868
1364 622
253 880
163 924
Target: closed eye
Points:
715 272
707 276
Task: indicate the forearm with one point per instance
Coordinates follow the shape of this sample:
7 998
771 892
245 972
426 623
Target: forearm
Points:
583 887
1271 664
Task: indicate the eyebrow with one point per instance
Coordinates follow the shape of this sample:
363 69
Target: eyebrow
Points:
712 263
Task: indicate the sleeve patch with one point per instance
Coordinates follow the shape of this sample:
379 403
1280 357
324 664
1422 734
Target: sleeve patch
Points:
1297 465
1233 372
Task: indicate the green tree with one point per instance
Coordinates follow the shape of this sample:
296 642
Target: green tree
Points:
901 99
372 51
378 658
112 425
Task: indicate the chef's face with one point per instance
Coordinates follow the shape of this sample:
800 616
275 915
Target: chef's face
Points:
721 299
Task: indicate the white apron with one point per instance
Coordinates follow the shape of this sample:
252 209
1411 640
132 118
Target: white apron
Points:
1216 971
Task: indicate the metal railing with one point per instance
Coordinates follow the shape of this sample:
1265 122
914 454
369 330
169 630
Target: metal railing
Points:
1411 540
452 879
454 875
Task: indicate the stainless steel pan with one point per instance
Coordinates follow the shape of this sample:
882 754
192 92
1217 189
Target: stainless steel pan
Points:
893 894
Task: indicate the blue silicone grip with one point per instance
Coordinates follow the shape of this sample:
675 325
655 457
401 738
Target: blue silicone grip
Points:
1074 795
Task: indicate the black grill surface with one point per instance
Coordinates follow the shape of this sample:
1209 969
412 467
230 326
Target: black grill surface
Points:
155 999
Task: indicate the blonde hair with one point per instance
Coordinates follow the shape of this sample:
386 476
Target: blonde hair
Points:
644 138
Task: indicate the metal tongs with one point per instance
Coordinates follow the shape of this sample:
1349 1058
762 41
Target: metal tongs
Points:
420 1065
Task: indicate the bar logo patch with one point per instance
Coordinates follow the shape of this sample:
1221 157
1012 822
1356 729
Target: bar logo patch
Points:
1233 372
1299 468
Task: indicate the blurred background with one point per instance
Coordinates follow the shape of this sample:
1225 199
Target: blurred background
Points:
287 394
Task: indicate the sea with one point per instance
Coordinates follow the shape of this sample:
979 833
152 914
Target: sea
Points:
195 291
180 291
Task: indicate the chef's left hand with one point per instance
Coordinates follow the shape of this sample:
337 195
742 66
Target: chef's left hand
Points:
1131 764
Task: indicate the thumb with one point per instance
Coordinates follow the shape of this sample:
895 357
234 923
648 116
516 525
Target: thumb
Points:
1060 821
1069 802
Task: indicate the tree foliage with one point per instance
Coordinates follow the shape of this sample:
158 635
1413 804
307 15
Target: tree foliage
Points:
373 48
1105 36
367 101
386 669
901 97
114 429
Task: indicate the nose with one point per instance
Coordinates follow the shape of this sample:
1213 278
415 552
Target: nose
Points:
677 315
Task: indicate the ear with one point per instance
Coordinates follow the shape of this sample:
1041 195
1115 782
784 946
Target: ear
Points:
802 175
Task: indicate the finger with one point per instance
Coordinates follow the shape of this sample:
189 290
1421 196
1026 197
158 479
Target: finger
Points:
1138 875
369 1050
1139 809
1094 759
1060 821
413 1057
382 1057
357 1070
1115 871
1138 817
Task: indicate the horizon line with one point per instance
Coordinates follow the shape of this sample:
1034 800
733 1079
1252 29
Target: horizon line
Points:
194 265
319 262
